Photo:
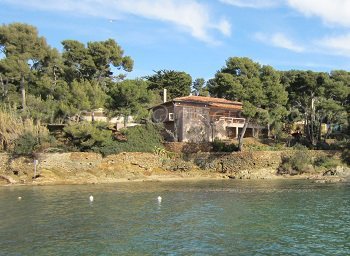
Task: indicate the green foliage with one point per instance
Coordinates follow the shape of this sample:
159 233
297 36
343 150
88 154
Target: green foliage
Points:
97 138
300 147
130 97
163 153
177 83
317 98
221 146
199 87
25 54
304 142
275 147
258 87
346 156
326 162
30 143
142 138
94 61
299 162
16 132
88 136
50 87
25 144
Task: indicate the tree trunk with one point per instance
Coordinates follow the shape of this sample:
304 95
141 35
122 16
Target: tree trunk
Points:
2 85
23 91
319 135
268 131
329 129
54 76
241 136
125 120
92 116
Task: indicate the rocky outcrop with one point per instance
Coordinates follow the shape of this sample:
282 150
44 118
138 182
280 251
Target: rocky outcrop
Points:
79 168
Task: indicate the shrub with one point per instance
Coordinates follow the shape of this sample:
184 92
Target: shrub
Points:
297 163
141 138
25 144
10 129
88 136
326 162
21 136
300 141
97 138
221 146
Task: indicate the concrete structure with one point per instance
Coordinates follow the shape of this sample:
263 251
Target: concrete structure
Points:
198 119
98 115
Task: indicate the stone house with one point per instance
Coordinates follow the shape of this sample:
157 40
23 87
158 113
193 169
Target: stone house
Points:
200 119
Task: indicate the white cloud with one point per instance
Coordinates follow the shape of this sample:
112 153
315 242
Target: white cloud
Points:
189 15
339 45
335 12
279 40
224 27
253 3
330 11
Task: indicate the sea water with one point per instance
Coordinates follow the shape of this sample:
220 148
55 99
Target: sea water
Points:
193 218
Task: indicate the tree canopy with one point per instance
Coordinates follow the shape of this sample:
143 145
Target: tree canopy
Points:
177 83
47 85
52 86
258 87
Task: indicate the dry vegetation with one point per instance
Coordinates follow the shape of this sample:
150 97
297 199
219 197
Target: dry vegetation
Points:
13 127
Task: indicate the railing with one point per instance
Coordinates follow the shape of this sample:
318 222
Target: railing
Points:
232 120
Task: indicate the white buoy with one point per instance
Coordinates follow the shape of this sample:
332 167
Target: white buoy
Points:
91 198
159 199
19 198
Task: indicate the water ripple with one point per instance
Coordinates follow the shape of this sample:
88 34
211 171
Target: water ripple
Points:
194 218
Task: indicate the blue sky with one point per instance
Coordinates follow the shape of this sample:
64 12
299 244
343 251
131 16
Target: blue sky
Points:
198 36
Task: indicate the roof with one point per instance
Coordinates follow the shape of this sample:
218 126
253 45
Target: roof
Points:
228 106
208 100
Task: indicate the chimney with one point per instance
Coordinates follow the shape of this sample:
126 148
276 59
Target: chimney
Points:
164 95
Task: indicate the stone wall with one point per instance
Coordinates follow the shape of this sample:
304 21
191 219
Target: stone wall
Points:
188 147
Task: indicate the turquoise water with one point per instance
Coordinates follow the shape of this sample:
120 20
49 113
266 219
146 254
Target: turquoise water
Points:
194 218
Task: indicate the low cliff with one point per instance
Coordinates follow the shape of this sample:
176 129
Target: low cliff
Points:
81 168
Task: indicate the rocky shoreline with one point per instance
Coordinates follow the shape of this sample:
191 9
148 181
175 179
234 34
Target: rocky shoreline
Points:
92 168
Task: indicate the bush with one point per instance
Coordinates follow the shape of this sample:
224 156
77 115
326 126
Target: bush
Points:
300 141
88 136
326 162
297 163
17 135
25 144
28 144
221 146
141 138
97 138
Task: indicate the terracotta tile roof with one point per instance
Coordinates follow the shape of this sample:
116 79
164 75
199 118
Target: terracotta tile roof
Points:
230 106
209 100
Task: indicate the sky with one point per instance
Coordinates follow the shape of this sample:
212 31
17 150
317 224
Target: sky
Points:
198 36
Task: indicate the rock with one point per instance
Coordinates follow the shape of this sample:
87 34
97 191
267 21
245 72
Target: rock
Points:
343 171
8 179
330 173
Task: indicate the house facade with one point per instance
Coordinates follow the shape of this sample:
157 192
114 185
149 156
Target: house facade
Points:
199 119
